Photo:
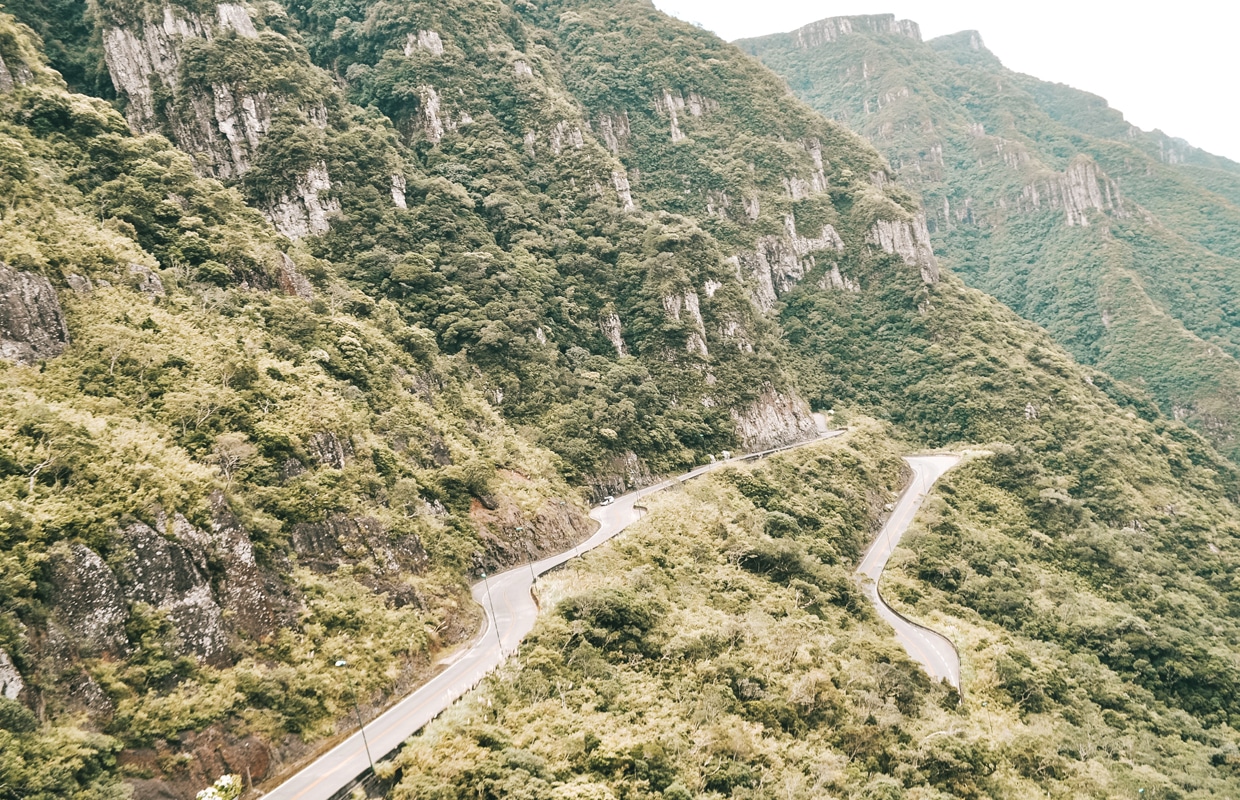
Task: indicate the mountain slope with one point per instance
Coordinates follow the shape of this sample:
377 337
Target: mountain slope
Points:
1124 244
479 262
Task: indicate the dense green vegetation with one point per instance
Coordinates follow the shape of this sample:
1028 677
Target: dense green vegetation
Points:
721 649
210 389
374 413
1141 286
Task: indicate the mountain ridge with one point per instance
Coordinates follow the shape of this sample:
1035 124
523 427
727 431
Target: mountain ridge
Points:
570 246
995 154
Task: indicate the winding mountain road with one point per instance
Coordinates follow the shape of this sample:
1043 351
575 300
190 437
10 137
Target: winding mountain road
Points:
510 614
932 650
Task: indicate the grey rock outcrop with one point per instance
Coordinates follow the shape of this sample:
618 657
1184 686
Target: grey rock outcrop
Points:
256 603
780 263
816 34
1081 189
615 130
221 124
624 191
146 281
429 41
6 77
908 239
669 104
773 420
609 324
11 684
32 324
330 450
620 474
399 185
565 135
324 545
13 73
307 209
292 282
688 305
87 604
167 576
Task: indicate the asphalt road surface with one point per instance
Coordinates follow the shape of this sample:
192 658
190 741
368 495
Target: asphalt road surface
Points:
932 650
510 615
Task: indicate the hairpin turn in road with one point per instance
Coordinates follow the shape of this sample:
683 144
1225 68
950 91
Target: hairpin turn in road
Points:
510 615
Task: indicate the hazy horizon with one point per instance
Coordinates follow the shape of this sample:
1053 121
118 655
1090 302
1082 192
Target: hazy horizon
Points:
1167 72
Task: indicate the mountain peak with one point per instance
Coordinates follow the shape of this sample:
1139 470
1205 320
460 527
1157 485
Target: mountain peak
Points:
965 47
831 29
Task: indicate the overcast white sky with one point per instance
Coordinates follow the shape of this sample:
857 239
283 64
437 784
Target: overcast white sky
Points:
1172 65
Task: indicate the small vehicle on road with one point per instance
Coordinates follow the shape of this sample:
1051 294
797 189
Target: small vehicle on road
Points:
608 500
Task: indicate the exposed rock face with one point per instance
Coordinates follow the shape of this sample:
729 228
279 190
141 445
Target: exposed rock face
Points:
330 450
32 325
324 545
619 475
1083 188
910 240
146 281
11 684
614 128
429 41
782 262
830 30
668 105
398 191
167 576
773 420
255 601
609 324
292 282
224 123
6 77
89 608
431 119
835 280
14 73
305 211
221 125
564 135
674 304
508 536
623 190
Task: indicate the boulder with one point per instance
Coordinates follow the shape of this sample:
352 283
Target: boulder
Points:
32 324
87 604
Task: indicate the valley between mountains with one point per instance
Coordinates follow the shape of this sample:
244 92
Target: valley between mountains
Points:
313 313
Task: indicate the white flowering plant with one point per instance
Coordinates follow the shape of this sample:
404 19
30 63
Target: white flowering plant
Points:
228 787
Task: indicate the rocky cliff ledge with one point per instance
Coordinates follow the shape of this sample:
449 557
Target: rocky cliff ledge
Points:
816 34
222 123
32 326
909 239
773 420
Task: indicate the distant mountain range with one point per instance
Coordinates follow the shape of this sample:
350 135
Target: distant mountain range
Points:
1124 244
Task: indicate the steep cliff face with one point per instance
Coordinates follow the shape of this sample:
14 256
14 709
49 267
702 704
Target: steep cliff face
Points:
145 59
830 30
910 240
32 325
1050 199
775 419
221 118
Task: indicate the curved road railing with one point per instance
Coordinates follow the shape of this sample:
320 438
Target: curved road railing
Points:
510 613
934 651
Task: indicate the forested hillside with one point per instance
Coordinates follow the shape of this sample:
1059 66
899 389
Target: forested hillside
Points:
1124 244
319 309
